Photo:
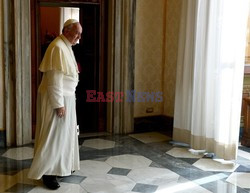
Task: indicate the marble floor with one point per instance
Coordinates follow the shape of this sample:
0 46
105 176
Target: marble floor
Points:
144 162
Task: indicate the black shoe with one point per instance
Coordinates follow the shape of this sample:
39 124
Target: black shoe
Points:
50 182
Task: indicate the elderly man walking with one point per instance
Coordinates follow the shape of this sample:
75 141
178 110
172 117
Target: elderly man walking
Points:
56 151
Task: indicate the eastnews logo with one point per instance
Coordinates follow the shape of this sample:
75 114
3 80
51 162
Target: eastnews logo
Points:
131 96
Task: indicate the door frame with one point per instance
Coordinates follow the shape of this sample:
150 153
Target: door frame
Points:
36 51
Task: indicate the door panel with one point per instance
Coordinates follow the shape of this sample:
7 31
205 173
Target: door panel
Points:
87 55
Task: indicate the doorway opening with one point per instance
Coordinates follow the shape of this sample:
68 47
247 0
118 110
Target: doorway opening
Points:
89 53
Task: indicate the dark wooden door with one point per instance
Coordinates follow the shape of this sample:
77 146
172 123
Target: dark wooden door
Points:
87 53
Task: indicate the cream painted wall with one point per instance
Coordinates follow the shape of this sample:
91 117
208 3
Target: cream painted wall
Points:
156 44
1 70
148 53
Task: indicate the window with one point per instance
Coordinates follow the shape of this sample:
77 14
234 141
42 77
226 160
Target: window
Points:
247 59
69 13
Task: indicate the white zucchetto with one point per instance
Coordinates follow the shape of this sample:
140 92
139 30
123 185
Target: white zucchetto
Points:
70 21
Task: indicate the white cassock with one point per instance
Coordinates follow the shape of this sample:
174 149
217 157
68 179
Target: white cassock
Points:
56 150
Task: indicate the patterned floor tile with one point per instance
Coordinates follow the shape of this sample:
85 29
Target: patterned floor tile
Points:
20 178
121 183
22 188
190 160
150 137
6 182
210 178
162 146
244 154
129 161
20 153
239 179
64 188
245 149
12 167
73 179
221 186
145 188
154 176
179 144
119 171
215 165
156 165
94 168
243 169
108 183
181 186
182 153
98 144
128 165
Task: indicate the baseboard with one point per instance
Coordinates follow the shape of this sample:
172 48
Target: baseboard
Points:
154 123
2 138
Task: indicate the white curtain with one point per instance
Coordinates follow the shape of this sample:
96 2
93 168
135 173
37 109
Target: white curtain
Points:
210 75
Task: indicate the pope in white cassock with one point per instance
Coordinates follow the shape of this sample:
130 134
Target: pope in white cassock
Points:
56 151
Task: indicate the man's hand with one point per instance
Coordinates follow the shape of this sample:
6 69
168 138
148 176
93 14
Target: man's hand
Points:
60 112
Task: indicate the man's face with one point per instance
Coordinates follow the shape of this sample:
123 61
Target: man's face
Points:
75 33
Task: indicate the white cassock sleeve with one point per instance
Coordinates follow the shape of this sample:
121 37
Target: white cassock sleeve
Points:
55 88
